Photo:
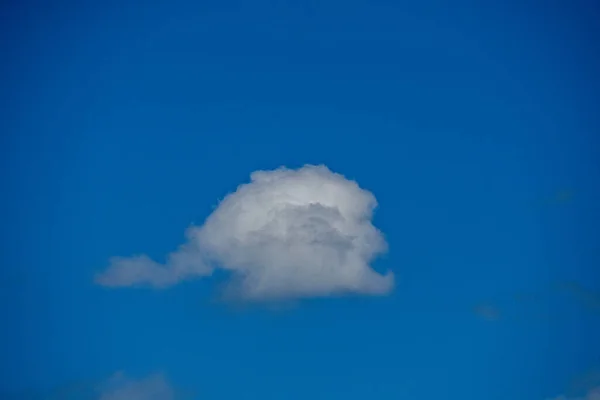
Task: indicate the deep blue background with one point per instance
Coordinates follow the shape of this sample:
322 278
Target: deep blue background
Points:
475 125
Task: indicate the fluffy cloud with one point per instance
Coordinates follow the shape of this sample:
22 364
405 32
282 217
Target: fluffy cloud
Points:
153 387
285 234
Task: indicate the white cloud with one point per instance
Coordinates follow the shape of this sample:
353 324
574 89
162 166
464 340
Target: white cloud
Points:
286 234
120 387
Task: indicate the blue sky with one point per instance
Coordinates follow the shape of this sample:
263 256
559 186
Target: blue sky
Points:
474 126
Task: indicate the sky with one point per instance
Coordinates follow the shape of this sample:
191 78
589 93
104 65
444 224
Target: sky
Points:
293 200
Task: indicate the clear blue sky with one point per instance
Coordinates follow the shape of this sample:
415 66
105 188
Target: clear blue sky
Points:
475 126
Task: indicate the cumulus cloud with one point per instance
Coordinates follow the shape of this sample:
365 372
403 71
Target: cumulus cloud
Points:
285 234
120 387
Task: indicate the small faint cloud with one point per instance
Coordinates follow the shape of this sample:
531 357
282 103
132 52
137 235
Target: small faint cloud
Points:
563 196
588 297
287 234
557 198
487 312
118 386
592 394
121 387
583 387
586 382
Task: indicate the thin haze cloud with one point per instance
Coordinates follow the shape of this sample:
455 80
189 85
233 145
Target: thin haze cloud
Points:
487 312
120 387
285 234
592 394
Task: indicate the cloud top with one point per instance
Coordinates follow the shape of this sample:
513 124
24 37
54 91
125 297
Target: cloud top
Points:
285 234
